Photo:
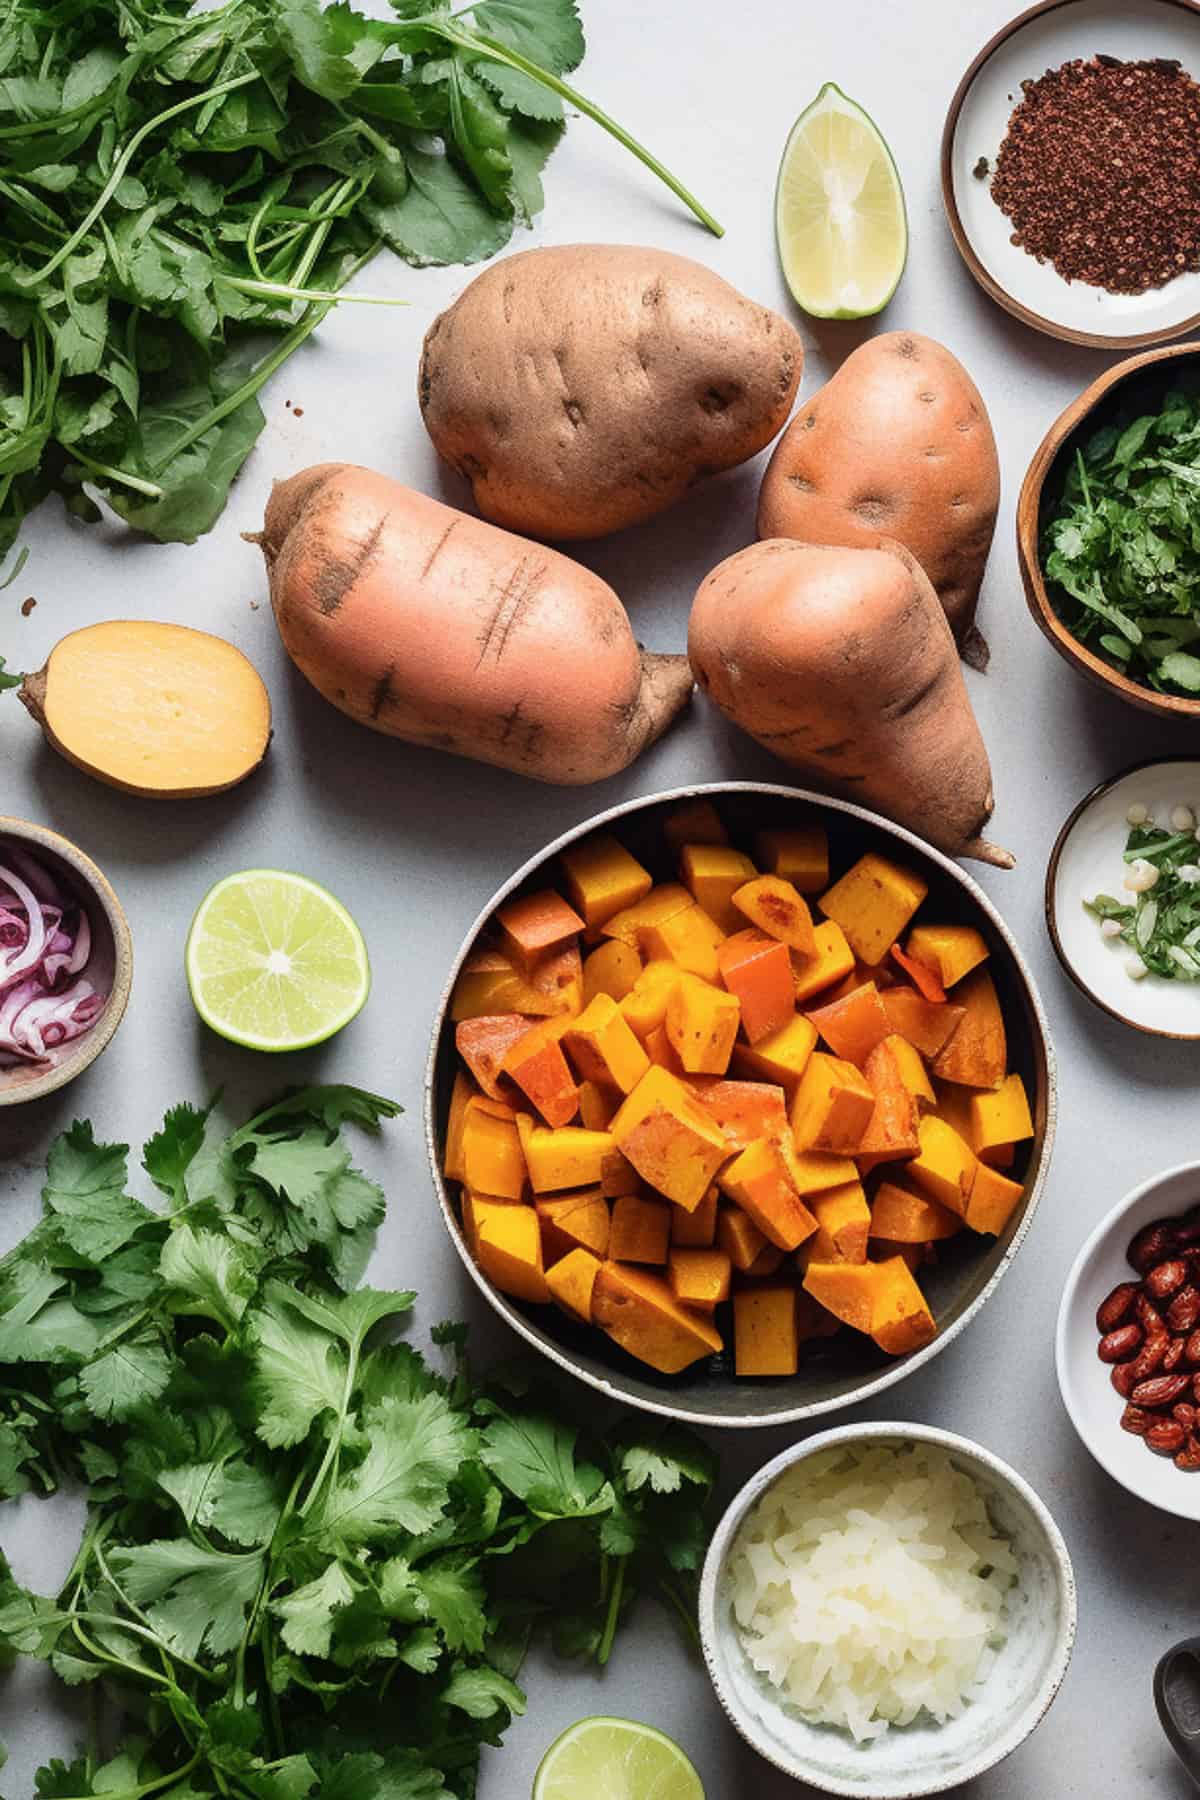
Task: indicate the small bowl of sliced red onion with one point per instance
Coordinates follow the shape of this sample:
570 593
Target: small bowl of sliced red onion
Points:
66 961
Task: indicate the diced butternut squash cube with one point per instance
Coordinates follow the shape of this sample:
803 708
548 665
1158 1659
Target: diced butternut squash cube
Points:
925 1025
694 822
645 1005
772 905
744 1110
833 1106
911 1069
758 970
757 1180
781 1056
847 1290
492 1157
659 905
612 969
891 1135
670 1139
495 1109
713 873
799 853
509 1251
475 1209
539 1068
902 1217
832 960
843 1226
1000 1117
570 1157
640 1231
571 1281
977 1054
618 1175
911 1255
535 924
925 979
571 1220
558 980
702 1025
765 1340
460 1094
993 1200
484 1043
699 1278
637 1309
603 1048
768 1262
603 879
901 1321
597 1105
696 1230
662 1052
689 939
739 1237
873 902
490 983
815 1171
945 1166
853 1026
953 950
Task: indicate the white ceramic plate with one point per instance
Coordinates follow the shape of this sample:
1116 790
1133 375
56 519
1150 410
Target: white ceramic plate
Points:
1085 1382
1087 860
1039 40
918 1759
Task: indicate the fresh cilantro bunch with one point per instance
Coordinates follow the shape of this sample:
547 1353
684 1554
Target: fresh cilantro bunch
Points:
1163 923
174 183
311 1563
1123 544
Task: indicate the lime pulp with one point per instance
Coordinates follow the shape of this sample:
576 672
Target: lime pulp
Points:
615 1759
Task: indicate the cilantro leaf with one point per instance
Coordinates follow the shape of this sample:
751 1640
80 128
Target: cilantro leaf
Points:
208 1274
666 1459
85 1184
546 31
299 1374
8 681
481 1691
170 1152
126 1377
308 1611
414 1449
533 1454
194 1596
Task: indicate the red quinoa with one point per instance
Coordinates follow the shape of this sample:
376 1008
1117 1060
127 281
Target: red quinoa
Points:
1100 172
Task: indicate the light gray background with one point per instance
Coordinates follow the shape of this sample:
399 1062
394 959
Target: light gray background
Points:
415 842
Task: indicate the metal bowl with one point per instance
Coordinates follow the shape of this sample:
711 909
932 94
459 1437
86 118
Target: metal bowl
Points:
841 1373
111 962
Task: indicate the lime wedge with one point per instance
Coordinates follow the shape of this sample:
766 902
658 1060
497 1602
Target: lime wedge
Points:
839 212
274 962
615 1759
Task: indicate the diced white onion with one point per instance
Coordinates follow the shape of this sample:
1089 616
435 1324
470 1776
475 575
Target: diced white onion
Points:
1141 876
1182 818
1137 814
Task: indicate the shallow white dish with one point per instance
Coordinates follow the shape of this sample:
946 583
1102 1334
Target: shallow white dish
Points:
1085 1382
1087 860
1040 39
917 1759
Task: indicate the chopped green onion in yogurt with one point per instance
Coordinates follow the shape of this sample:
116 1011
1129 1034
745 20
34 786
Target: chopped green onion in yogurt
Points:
1158 914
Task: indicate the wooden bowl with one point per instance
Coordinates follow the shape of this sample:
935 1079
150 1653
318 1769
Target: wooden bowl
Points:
110 964
1042 484
847 1368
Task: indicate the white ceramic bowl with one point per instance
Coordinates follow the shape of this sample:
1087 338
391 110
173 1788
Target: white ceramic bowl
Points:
917 1759
1085 1382
1086 860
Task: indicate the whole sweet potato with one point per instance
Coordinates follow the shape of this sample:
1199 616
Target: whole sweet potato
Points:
585 388
897 445
432 626
841 662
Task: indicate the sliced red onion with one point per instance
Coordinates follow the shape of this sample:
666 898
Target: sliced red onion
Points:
35 927
45 939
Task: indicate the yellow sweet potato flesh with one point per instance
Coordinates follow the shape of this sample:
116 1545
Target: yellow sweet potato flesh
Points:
638 1310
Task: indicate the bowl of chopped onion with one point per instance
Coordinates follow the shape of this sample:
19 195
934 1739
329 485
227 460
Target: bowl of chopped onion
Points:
886 1610
66 961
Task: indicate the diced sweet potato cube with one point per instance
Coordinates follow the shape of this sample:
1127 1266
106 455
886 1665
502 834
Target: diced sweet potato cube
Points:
993 1200
571 1281
926 980
953 950
603 879
977 1054
739 1237
891 1134
535 924
637 1309
699 1278
900 1317
1000 1117
812 1320
640 1231
799 853
816 1171
694 822
946 1164
539 1068
484 1043
847 1290
492 1157
597 1105
696 1230
475 1209
618 1175
843 1225
833 1106
781 1056
558 979
460 1094
495 1109
509 1251
670 1139
689 939
660 904
568 1157
911 1069
603 1048
571 1220
702 1025
612 969
902 1217
873 902
490 983
758 970
644 1007
757 1180
832 960
744 1110
713 873
773 905
662 1052
853 1026
926 1026
765 1339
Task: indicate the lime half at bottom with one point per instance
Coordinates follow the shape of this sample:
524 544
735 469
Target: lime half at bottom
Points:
615 1759
839 211
274 961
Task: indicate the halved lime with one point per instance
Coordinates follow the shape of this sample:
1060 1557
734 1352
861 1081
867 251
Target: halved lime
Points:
615 1759
839 211
274 962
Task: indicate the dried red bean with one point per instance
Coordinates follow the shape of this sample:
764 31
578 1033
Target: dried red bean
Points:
1160 1390
1173 1357
1191 1349
1124 1380
1151 1245
1184 1413
1166 1278
1148 1315
1137 1420
1116 1308
1164 1437
1149 1358
1120 1345
1183 1314
1188 1458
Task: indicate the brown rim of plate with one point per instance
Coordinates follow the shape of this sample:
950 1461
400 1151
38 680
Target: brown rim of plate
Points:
1028 522
1068 967
1092 340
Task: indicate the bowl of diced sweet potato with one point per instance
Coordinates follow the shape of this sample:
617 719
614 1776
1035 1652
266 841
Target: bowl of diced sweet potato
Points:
740 1102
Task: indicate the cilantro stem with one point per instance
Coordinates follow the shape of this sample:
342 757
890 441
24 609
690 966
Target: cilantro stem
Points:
674 1600
604 1648
147 1787
150 488
284 291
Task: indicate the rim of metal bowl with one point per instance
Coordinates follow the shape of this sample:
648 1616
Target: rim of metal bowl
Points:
613 1387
